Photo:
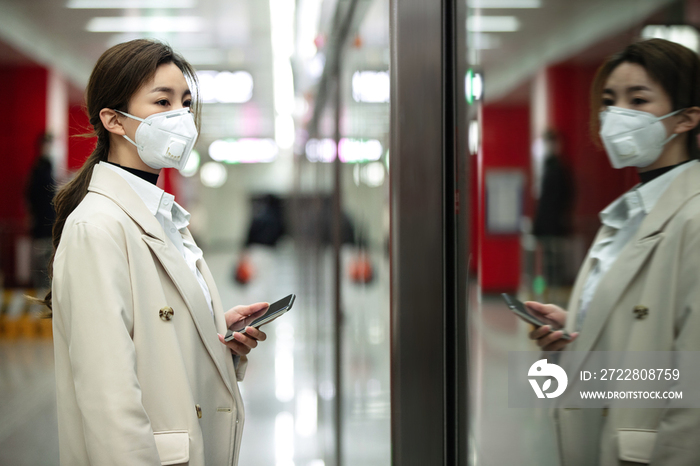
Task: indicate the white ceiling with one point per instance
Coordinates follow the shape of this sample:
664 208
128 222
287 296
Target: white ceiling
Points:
235 35
557 31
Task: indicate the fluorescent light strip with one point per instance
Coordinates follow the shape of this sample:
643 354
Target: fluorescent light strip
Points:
351 150
124 4
685 35
484 41
493 24
371 86
282 14
146 24
224 86
505 4
245 150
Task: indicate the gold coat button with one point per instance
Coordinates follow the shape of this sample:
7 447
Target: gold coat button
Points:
199 411
166 313
641 312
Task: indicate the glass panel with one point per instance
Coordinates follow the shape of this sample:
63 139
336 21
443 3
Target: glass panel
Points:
539 179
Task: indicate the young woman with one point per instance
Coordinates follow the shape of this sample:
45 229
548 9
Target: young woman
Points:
142 377
638 287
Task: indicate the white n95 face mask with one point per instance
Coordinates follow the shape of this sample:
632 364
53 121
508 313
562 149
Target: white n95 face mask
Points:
165 139
633 138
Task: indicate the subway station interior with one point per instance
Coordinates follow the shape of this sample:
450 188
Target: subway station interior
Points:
383 160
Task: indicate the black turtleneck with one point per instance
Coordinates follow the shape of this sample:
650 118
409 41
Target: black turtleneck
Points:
651 174
144 175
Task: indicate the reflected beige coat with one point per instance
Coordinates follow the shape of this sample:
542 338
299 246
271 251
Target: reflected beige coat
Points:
659 269
135 388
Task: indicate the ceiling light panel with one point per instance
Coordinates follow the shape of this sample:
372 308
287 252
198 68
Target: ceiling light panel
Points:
505 4
146 24
682 34
371 86
493 24
225 86
123 4
484 41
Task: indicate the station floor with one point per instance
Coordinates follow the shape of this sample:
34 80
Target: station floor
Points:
289 391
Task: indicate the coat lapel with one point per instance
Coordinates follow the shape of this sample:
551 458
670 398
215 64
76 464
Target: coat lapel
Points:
191 293
218 315
110 184
609 291
631 260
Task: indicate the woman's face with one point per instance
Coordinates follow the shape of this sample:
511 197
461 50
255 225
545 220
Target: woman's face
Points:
167 90
630 87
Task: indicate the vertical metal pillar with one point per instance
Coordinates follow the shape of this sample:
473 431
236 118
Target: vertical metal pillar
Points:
428 260
337 243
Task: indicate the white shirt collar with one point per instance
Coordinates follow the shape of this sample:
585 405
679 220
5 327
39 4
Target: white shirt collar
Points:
155 199
641 198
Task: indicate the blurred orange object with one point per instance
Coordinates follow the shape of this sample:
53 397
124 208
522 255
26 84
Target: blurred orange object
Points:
361 269
244 271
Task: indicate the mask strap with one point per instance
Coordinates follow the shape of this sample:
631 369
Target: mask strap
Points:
135 118
132 116
129 139
668 139
670 114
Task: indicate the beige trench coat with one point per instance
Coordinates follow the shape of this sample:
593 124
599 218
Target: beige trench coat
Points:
658 269
134 387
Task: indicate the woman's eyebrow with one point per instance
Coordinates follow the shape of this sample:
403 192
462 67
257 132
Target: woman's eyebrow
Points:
167 90
638 88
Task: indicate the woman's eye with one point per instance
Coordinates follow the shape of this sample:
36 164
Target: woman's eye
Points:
608 102
163 102
639 101
187 103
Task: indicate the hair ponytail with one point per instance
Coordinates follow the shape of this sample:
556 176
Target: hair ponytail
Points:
117 75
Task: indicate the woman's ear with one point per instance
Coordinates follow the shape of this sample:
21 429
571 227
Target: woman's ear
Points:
111 122
689 119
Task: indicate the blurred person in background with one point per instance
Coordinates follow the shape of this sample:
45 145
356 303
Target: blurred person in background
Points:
637 289
267 226
553 217
39 193
142 377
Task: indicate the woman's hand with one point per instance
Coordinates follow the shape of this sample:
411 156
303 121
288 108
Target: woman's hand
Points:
244 342
547 338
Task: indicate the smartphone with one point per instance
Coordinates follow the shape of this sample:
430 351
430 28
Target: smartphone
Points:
275 310
522 311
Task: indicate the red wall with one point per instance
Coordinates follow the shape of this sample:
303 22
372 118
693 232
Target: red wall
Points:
22 123
505 144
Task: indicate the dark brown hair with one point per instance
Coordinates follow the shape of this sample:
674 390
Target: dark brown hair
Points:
674 67
117 75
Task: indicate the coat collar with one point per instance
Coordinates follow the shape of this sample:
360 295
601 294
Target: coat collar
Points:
110 184
631 259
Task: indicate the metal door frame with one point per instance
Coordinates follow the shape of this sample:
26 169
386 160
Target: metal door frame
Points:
428 173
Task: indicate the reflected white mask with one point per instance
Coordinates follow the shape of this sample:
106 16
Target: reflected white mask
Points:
165 139
633 138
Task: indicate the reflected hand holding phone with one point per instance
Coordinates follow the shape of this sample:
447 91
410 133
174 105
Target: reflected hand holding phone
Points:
532 317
